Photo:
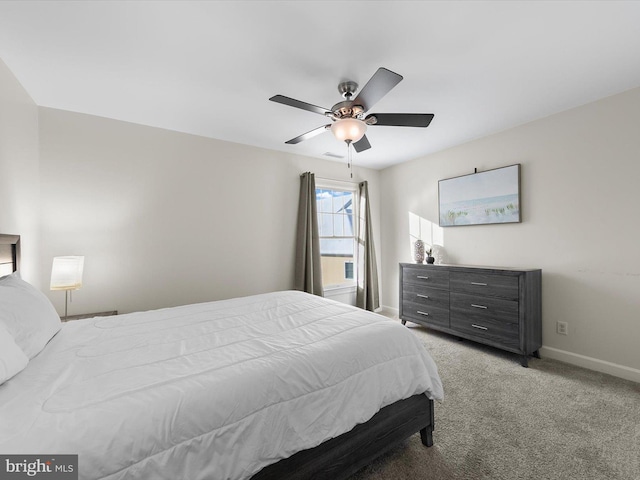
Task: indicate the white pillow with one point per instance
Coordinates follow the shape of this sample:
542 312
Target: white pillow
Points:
27 314
12 358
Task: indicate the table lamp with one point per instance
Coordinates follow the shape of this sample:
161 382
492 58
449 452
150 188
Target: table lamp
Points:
66 274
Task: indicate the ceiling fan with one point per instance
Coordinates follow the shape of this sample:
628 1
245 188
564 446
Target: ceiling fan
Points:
349 117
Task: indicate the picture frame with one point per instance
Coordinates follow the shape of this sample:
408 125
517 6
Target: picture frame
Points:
480 198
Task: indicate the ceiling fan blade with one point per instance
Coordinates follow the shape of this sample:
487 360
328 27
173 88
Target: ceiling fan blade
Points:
298 104
377 87
362 144
308 135
403 119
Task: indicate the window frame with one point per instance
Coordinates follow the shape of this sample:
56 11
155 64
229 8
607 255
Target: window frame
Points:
339 186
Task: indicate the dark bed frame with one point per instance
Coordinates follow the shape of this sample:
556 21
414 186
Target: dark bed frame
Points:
339 457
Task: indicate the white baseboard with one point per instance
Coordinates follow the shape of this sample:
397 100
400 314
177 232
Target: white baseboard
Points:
603 366
389 311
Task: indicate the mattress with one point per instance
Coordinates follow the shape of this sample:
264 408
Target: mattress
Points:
214 390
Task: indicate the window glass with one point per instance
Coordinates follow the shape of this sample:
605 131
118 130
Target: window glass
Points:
337 235
348 270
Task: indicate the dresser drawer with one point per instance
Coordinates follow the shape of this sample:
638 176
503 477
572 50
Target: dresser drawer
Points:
498 332
422 295
485 284
478 307
425 313
429 276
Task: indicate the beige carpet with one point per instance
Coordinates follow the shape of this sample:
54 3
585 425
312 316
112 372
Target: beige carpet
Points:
502 421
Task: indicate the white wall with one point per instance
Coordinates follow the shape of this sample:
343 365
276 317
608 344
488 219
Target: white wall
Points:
165 218
580 207
19 177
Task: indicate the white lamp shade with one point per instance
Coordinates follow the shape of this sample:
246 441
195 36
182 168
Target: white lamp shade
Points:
66 273
349 129
5 269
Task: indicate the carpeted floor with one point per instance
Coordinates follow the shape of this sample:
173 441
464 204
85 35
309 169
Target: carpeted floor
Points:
502 421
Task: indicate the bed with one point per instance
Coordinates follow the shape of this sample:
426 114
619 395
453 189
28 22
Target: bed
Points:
279 385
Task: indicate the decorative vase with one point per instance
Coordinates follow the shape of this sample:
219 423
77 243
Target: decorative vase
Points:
430 259
418 251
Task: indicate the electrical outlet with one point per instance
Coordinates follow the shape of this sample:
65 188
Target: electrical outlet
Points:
562 328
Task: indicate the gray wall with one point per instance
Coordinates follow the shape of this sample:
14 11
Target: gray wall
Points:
19 174
580 201
165 218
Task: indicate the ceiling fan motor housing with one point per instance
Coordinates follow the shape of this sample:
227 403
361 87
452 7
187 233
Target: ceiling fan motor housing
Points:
346 109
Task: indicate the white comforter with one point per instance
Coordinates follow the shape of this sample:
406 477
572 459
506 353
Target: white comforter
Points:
210 391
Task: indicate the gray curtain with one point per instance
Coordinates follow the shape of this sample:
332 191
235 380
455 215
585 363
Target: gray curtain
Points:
308 274
368 295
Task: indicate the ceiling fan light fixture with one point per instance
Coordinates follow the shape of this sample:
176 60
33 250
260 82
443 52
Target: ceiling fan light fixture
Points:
349 129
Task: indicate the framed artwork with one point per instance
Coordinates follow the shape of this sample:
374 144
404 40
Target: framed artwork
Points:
492 196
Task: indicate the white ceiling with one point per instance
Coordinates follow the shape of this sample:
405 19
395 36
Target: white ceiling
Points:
209 68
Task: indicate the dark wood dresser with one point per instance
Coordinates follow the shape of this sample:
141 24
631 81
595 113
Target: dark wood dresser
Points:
500 307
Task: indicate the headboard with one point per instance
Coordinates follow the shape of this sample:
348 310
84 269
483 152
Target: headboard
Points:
9 253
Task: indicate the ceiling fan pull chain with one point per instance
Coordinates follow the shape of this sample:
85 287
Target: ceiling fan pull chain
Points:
349 157
351 166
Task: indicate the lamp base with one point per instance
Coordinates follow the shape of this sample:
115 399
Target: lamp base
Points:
66 303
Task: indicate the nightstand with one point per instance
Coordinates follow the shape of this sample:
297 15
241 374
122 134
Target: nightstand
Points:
89 315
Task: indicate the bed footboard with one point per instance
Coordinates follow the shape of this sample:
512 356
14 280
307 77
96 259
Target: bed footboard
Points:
342 456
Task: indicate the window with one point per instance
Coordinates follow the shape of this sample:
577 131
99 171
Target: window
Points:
336 216
348 270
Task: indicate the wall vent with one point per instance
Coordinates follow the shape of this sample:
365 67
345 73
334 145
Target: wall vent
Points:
334 155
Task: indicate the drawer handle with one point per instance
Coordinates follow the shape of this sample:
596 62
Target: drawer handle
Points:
479 326
421 295
479 284
423 313
479 306
423 277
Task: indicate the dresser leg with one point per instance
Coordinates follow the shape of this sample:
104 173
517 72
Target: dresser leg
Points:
524 361
404 322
